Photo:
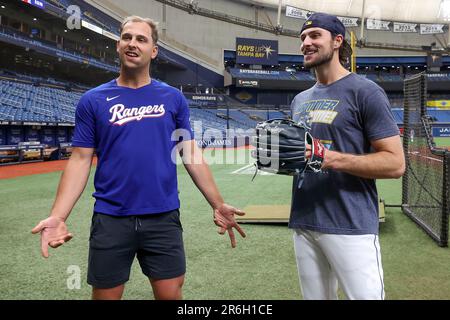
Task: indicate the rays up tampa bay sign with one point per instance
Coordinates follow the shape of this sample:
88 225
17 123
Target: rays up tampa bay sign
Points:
256 51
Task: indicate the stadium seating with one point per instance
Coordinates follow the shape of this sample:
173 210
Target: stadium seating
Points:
398 115
24 40
396 100
390 77
371 76
27 100
439 115
20 101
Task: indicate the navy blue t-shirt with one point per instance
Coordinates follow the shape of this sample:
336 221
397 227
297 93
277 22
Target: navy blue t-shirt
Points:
345 115
131 130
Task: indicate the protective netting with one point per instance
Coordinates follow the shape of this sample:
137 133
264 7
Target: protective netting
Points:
425 196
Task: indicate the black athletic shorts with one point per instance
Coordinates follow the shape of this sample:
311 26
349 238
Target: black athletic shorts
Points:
156 240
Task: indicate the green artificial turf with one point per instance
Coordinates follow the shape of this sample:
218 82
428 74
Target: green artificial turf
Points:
261 267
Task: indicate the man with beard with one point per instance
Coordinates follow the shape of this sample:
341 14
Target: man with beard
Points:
130 122
334 214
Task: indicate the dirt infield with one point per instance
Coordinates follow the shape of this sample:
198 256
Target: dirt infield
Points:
26 169
18 170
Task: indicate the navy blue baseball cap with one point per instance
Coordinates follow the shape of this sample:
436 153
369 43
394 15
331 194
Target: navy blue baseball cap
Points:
330 23
325 21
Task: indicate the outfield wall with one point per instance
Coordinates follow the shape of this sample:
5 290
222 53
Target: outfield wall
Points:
50 135
441 130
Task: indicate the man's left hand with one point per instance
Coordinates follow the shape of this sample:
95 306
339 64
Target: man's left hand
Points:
224 219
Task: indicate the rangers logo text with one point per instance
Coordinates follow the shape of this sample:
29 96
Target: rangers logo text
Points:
122 115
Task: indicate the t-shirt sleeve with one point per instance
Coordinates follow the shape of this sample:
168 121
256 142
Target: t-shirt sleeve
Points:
378 120
183 124
84 133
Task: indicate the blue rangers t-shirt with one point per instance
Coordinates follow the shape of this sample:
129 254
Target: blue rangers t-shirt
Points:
131 130
345 115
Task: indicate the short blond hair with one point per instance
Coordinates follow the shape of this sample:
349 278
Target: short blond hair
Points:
153 25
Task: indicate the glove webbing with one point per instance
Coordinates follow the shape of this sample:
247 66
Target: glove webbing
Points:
300 173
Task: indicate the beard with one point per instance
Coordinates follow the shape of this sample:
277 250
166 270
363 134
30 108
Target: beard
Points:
325 58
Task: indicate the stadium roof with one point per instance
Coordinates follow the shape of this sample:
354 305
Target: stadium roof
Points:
425 11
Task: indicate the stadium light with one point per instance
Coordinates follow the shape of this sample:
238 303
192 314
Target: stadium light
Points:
444 10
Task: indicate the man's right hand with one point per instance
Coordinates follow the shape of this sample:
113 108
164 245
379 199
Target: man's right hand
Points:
53 233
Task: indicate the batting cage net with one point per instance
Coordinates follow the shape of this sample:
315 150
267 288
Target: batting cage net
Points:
425 194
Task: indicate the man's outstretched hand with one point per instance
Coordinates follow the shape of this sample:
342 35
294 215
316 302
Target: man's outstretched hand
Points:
224 219
53 232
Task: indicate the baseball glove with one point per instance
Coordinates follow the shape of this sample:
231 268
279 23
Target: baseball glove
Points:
281 148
